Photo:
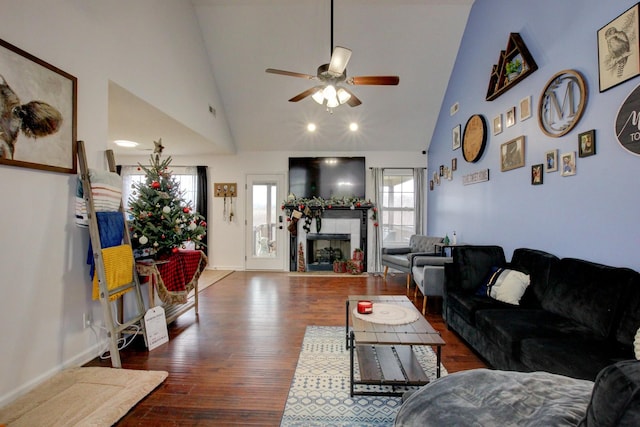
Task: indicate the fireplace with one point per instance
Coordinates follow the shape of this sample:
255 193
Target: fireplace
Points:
324 248
336 222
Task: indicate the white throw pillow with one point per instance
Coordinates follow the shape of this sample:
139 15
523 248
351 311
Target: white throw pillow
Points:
507 285
636 345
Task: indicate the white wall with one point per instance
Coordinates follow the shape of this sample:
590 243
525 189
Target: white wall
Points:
592 215
155 50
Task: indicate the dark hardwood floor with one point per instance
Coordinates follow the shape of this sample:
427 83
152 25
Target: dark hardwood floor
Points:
233 364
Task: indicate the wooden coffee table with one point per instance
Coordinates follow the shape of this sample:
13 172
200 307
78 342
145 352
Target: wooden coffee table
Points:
385 352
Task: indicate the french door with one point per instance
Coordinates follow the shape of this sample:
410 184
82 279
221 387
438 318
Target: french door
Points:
265 229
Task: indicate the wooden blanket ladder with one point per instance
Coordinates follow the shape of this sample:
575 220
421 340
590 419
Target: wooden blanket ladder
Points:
116 328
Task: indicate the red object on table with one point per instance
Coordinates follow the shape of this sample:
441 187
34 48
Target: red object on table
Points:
365 307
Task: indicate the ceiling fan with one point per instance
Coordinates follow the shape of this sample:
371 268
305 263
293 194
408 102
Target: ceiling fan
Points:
331 75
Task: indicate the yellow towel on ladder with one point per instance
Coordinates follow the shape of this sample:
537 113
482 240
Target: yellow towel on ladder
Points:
118 267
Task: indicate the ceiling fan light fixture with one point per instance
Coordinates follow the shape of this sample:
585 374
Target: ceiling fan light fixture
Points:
343 95
318 97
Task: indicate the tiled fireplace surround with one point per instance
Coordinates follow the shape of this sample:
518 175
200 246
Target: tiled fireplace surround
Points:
336 223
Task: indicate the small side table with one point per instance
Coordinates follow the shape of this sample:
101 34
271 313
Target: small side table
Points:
441 248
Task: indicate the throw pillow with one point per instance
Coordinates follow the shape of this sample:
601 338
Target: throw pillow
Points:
506 285
636 345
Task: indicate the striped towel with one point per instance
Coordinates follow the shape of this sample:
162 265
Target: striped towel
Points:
118 267
106 189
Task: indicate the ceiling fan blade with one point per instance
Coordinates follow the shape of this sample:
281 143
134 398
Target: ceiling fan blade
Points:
303 95
290 73
339 59
374 80
353 100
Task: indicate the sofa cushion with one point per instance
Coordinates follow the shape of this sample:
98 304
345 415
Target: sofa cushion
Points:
466 305
586 292
396 261
505 285
507 328
572 356
425 244
538 265
474 263
615 400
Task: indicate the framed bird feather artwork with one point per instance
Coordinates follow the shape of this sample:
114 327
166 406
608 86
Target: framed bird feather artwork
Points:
38 103
619 49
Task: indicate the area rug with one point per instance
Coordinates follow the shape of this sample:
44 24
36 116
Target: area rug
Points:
209 277
88 396
319 393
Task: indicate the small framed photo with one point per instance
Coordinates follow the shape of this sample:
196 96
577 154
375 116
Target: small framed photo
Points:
536 174
551 161
618 49
510 117
455 137
587 143
454 164
497 124
512 154
525 108
568 162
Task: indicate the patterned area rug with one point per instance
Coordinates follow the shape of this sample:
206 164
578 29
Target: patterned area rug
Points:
319 393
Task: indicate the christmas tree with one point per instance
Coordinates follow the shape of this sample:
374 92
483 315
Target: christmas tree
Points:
161 220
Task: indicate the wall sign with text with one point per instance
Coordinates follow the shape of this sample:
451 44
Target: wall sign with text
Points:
628 122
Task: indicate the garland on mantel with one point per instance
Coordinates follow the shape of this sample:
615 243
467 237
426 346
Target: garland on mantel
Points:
299 207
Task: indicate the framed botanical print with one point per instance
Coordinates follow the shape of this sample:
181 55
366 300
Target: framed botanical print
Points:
551 161
512 154
568 164
525 108
587 143
455 137
536 174
510 118
619 49
497 124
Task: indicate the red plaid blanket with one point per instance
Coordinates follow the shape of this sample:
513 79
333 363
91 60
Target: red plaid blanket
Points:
176 277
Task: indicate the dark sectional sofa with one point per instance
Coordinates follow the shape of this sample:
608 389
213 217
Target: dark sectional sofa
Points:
575 318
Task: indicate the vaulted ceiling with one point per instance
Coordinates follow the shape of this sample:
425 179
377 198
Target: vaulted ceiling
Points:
415 39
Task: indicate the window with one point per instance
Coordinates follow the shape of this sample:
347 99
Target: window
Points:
186 176
398 207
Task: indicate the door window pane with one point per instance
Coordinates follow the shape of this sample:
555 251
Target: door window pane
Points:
264 220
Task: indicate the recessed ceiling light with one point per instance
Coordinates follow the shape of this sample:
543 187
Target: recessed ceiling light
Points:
353 126
311 127
125 143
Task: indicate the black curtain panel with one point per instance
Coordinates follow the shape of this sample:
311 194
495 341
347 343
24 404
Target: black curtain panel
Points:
203 198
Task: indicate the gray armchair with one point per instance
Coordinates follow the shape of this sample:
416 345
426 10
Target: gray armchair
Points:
401 259
428 274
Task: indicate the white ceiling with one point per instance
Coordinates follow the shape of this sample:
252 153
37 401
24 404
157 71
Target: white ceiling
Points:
415 39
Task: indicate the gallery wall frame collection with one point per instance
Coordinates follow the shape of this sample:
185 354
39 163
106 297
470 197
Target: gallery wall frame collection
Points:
40 110
562 103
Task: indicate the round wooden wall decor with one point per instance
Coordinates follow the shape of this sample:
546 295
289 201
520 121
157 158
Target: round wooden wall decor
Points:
474 139
562 103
